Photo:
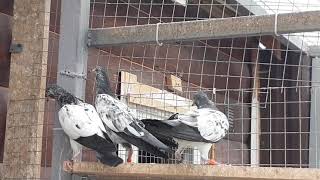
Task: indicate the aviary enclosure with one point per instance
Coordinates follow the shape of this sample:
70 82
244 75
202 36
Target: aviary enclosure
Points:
257 60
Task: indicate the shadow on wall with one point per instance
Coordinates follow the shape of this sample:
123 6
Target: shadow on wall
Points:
6 12
4 97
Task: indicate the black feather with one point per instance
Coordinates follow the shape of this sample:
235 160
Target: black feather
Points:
182 131
143 145
110 159
106 150
62 96
102 82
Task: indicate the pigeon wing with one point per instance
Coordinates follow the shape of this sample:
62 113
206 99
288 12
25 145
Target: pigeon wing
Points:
76 123
213 125
117 116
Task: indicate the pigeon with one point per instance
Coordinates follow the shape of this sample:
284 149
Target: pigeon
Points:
196 128
120 122
81 122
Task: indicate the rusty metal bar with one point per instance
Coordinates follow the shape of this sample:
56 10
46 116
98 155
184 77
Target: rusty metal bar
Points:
207 29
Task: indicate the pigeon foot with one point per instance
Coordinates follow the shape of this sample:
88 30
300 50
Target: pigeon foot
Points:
212 162
67 166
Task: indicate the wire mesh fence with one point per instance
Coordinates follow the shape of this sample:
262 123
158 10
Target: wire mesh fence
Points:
266 85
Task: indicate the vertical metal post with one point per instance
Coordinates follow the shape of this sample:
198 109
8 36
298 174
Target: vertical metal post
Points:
314 144
255 115
72 70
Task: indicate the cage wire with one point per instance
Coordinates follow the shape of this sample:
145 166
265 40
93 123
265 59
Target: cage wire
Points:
268 88
247 73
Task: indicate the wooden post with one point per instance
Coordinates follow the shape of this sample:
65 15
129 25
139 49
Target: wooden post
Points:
23 141
72 70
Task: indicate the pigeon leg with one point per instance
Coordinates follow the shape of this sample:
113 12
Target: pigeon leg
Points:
212 162
178 155
76 157
67 166
130 152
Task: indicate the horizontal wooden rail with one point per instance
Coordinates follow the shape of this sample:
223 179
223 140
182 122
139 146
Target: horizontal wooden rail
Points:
215 28
174 171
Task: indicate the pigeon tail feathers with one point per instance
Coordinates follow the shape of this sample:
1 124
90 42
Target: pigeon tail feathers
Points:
109 158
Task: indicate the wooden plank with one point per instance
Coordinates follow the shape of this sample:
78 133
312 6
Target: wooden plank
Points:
24 128
207 29
163 171
173 83
152 97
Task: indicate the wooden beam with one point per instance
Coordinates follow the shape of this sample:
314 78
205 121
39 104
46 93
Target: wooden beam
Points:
207 172
146 95
207 29
28 69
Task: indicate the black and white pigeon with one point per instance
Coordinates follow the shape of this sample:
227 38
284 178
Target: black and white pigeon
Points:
197 128
120 122
81 122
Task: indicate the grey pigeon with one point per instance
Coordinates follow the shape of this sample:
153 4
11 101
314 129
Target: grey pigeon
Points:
120 122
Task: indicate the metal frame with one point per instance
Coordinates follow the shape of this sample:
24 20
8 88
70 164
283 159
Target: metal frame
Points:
314 51
314 152
73 55
207 29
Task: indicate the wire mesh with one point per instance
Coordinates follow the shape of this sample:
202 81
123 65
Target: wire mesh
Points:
276 78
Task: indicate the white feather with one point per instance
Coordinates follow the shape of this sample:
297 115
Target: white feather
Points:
212 125
181 2
76 148
80 121
203 148
115 114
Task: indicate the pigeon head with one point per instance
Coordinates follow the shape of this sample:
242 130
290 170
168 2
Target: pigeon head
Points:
201 100
102 81
61 95
54 91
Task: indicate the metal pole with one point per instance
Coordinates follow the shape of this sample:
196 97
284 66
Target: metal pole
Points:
72 70
314 145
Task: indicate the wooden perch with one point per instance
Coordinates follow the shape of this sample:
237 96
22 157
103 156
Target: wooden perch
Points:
149 96
174 171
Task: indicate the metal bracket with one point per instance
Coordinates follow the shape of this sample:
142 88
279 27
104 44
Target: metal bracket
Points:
16 48
73 74
89 39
